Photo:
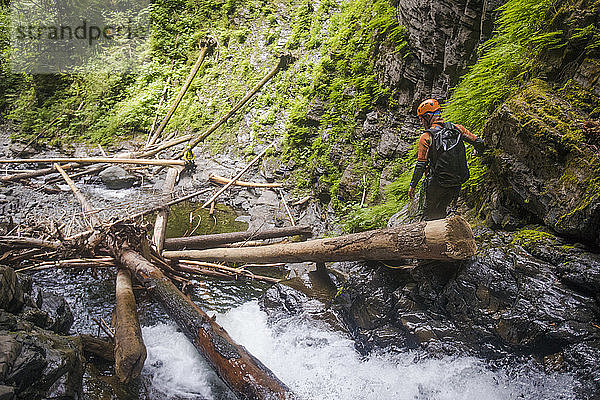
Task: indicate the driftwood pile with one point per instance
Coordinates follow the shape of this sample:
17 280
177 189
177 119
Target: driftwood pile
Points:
165 266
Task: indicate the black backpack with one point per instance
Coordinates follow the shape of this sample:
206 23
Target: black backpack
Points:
447 156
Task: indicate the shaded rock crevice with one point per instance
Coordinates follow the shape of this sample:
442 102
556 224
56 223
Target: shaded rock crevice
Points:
35 361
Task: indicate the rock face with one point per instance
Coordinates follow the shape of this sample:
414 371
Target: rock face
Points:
541 171
36 363
528 293
443 36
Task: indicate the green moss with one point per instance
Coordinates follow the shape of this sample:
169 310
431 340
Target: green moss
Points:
528 237
346 83
584 172
509 59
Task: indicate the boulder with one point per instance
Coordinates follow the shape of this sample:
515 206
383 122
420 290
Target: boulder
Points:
60 317
10 348
7 392
20 149
12 296
115 177
48 366
525 293
543 169
350 186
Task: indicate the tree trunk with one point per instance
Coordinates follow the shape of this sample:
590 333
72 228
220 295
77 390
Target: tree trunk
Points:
445 239
245 375
203 50
33 174
208 241
19 241
99 347
160 225
130 352
223 181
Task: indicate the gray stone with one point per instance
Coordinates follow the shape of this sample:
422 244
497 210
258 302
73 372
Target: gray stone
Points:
115 177
350 186
19 149
12 296
388 143
9 350
49 366
7 392
516 297
315 112
59 312
538 175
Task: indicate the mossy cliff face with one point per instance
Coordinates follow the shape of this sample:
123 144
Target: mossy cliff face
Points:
544 164
543 167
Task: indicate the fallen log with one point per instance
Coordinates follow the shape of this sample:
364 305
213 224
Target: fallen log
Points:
140 214
89 170
205 46
130 352
246 376
33 174
88 211
235 178
446 239
208 241
287 208
26 242
222 181
190 266
99 347
94 160
99 262
283 62
160 225
163 146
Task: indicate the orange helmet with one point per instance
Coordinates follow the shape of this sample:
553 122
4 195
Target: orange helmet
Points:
429 105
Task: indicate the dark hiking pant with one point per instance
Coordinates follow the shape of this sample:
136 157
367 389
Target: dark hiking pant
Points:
437 200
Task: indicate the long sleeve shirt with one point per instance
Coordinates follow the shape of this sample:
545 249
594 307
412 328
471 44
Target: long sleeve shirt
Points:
425 142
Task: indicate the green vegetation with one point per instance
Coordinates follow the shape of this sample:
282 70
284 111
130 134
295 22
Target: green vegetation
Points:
344 86
532 237
105 106
509 59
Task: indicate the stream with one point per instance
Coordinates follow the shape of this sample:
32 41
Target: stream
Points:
315 359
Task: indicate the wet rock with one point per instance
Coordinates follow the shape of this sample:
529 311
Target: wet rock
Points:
12 296
36 316
115 177
350 186
537 172
283 299
48 366
10 348
60 317
36 363
7 392
271 168
315 112
9 322
517 296
20 149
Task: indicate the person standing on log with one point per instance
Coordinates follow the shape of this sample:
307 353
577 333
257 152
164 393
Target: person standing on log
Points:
442 158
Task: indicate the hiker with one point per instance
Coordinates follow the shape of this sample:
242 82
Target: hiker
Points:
442 158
